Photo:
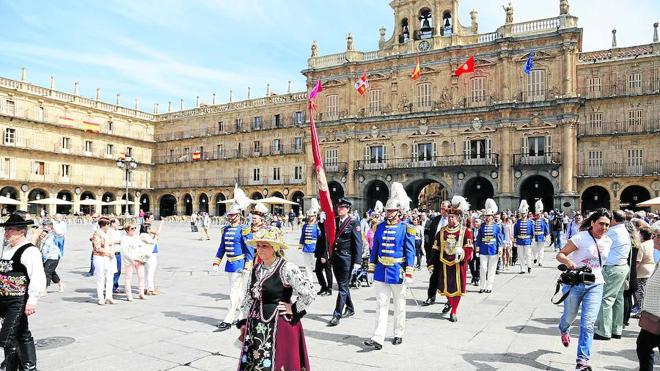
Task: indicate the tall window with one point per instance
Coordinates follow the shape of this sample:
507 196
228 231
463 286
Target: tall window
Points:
186 153
40 114
593 87
332 107
277 145
257 146
171 155
7 169
219 151
424 95
66 143
536 146
595 163
635 83
221 126
257 123
376 155
237 124
109 126
276 174
277 120
10 107
635 162
536 86
88 147
297 143
424 151
129 151
595 123
298 117
109 150
39 168
536 149
256 174
374 101
478 89
64 171
634 120
298 173
331 157
478 150
10 136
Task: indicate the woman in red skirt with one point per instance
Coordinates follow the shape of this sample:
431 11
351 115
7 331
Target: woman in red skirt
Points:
271 332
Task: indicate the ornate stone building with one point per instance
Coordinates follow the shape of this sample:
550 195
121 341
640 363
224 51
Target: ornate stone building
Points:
580 130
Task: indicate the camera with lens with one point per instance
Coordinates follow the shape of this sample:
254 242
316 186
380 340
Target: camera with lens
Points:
577 276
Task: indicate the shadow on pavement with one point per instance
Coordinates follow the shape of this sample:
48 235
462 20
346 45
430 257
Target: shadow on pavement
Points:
191 317
629 354
526 329
344 339
481 360
215 295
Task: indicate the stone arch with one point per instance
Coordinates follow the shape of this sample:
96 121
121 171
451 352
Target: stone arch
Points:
36 194
476 190
256 195
424 194
535 187
145 202
336 191
203 204
67 196
87 209
297 197
187 204
131 204
595 197
12 193
220 208
167 205
632 195
276 209
376 190
108 197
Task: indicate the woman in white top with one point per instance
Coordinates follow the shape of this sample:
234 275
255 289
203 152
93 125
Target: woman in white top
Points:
116 241
648 341
134 257
105 264
588 248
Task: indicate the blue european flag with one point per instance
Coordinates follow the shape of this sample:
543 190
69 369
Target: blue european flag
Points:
530 63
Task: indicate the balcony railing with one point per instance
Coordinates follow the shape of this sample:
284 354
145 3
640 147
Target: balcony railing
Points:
616 128
619 169
428 162
619 89
208 181
336 167
549 158
231 154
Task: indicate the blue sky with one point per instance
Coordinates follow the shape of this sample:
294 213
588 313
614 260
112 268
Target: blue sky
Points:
164 50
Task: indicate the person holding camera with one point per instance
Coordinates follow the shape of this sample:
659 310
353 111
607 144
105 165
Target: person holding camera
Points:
585 251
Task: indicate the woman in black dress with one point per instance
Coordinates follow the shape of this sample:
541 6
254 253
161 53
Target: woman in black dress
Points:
271 332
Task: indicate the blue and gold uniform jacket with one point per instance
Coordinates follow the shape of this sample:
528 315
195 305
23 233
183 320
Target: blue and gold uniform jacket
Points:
233 244
541 229
310 233
393 252
523 232
490 238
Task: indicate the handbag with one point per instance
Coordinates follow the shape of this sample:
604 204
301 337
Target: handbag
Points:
650 323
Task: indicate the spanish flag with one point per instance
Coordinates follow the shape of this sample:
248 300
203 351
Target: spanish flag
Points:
416 71
196 156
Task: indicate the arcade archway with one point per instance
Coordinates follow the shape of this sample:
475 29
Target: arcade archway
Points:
203 203
167 205
256 196
297 197
535 188
426 194
66 196
107 209
276 209
633 195
188 204
12 193
336 191
87 209
595 197
476 191
220 208
36 194
376 190
131 204
145 203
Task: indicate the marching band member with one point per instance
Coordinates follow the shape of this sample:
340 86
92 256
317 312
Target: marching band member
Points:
308 236
490 241
523 232
392 258
541 232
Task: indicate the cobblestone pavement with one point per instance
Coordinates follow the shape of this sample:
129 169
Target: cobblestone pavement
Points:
514 328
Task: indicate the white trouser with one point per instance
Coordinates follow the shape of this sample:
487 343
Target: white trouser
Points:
488 264
525 256
236 294
150 266
104 271
310 261
538 251
383 293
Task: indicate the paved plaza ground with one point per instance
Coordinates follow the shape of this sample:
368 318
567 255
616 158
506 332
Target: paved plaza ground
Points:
514 328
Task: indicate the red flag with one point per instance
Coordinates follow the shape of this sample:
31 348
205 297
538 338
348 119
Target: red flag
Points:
196 156
416 71
324 193
467 67
362 84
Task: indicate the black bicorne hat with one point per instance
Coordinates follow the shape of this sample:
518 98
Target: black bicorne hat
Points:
17 219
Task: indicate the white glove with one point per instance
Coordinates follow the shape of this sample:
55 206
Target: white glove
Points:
215 268
356 267
409 280
459 254
370 277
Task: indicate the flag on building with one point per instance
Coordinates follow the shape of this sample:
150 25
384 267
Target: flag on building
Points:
196 156
529 65
362 84
321 181
416 71
467 67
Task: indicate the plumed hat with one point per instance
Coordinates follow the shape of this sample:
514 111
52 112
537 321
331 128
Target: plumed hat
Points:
459 205
524 207
314 208
399 199
378 208
491 207
538 206
241 201
260 209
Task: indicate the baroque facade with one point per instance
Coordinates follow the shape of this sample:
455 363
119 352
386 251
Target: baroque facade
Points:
579 131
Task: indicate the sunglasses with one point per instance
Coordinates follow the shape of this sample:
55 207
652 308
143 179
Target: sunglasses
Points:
131 228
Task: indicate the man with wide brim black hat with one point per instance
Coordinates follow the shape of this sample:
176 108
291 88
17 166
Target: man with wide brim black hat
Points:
22 278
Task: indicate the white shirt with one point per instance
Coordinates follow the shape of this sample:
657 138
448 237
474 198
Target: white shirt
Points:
59 228
442 223
115 234
32 261
620 245
586 253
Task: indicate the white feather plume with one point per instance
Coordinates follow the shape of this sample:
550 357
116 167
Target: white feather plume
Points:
398 198
524 207
491 206
240 199
314 207
378 208
538 206
459 202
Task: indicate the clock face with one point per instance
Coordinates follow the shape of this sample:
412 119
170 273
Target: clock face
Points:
424 46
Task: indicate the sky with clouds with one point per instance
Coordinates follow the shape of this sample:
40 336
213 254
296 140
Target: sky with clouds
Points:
164 50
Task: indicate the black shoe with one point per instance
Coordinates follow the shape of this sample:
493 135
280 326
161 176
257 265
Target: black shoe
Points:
27 355
521 273
453 318
222 326
488 291
534 261
476 283
529 270
11 361
397 341
616 336
371 343
321 292
333 322
481 291
348 313
497 272
446 309
328 293
427 302
599 337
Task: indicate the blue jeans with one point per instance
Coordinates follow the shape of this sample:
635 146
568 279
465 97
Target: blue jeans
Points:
557 240
115 281
59 241
589 297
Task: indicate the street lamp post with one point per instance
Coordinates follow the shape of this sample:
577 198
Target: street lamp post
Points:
128 164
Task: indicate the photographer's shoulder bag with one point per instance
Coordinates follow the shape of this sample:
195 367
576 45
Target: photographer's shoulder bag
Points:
558 287
650 322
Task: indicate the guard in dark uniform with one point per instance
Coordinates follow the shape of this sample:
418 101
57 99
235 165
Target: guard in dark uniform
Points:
323 268
22 278
345 256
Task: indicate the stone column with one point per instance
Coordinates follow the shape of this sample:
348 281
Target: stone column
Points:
51 209
136 205
569 140
23 198
505 158
76 202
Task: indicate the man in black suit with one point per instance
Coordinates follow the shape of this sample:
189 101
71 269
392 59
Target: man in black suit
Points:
323 268
435 225
345 258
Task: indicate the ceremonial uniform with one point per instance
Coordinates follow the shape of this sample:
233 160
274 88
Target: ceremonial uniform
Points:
323 269
240 256
523 232
346 252
392 257
433 266
452 274
490 241
308 238
541 231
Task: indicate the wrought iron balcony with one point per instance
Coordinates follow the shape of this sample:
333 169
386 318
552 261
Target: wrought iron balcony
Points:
618 128
425 162
619 169
548 158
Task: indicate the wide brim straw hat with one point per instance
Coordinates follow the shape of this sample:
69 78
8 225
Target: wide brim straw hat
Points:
273 236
